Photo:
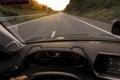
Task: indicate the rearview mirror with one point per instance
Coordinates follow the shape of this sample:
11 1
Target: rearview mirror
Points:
3 2
116 27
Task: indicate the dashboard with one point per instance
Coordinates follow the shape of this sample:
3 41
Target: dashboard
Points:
89 60
66 58
107 64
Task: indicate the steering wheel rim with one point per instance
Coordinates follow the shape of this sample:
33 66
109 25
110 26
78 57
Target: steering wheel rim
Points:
53 74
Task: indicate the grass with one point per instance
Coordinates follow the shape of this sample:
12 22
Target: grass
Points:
20 20
100 14
102 10
105 15
6 11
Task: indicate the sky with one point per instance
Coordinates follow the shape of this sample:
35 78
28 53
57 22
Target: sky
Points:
55 4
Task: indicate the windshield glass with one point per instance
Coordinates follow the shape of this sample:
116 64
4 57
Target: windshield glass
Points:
44 20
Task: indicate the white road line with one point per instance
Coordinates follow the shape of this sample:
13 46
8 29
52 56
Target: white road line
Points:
58 19
93 26
53 34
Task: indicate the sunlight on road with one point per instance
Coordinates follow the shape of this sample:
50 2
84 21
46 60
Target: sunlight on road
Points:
55 4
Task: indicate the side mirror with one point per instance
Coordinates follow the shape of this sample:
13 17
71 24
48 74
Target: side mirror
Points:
4 2
116 27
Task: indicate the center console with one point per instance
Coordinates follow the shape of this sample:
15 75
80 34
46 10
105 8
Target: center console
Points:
107 65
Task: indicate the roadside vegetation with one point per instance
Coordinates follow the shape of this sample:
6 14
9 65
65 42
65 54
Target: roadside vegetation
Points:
102 10
24 9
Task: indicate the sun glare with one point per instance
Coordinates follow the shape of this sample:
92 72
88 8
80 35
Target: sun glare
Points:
55 4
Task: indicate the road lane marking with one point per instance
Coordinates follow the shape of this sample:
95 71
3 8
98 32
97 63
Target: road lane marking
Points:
58 19
93 26
53 34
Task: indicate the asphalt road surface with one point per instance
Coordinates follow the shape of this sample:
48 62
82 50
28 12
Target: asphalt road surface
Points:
61 24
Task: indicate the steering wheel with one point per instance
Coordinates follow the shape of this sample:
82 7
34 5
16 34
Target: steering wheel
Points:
51 75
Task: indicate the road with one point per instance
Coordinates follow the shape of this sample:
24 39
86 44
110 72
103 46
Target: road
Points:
61 24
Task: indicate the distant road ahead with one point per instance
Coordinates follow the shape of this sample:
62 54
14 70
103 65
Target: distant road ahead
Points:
61 24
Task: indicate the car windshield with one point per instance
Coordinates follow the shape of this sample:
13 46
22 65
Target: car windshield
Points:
46 20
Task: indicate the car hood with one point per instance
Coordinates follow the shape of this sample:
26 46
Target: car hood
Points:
75 37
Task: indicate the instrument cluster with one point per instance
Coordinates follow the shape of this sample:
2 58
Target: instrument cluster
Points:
57 58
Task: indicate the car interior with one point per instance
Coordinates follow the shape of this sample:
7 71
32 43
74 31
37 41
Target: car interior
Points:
75 60
60 59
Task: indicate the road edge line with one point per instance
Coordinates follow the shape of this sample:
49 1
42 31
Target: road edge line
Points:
93 26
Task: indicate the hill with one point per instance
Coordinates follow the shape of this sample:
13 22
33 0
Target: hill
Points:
102 10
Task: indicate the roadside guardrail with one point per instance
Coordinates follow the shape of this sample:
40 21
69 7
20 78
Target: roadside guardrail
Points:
15 17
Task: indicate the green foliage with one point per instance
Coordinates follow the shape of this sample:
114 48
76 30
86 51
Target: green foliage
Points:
7 12
108 3
23 9
103 10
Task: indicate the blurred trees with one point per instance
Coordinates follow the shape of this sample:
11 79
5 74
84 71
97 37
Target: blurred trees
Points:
102 10
87 4
33 7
